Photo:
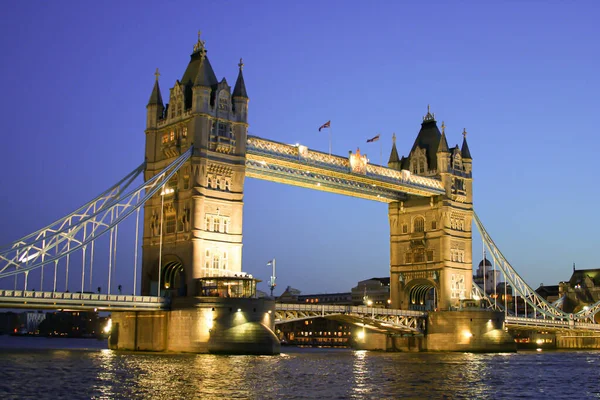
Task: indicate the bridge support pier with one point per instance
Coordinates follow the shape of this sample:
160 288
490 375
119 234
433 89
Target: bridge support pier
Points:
199 325
468 330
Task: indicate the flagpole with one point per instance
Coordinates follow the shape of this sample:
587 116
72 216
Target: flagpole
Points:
380 152
330 139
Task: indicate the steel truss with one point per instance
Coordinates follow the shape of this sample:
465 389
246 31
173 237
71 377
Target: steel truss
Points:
521 288
103 200
382 319
80 228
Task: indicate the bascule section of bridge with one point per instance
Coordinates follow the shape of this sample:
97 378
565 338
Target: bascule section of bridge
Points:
382 320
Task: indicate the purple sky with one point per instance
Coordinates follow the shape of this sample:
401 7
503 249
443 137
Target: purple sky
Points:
521 77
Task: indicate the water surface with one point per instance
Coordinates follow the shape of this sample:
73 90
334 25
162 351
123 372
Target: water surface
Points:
43 368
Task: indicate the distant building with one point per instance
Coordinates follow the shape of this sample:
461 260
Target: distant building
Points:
486 277
71 324
9 323
376 290
549 293
582 290
33 319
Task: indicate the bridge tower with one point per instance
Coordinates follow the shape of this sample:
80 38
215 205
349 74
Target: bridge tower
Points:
193 229
430 238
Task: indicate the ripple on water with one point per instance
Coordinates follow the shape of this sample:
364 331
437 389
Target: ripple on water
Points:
296 374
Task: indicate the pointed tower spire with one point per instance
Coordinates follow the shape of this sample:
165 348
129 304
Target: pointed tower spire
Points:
465 153
443 146
394 161
155 97
240 87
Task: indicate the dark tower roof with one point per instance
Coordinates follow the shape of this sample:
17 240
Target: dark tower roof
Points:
240 87
205 76
428 139
487 262
198 72
155 97
465 153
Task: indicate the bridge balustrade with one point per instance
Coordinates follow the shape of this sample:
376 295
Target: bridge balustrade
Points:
80 296
341 309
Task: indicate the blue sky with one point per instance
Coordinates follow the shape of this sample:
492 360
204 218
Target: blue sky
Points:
521 77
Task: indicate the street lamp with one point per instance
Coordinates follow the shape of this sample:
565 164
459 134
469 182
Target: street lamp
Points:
272 283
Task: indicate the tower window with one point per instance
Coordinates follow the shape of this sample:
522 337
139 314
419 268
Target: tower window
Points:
433 225
171 223
216 261
404 228
225 225
429 255
207 223
216 224
224 263
419 224
227 184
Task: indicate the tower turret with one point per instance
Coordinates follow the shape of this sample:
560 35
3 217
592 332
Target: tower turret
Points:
155 107
443 153
466 154
240 96
394 161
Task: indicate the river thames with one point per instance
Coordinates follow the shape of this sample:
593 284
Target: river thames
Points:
40 368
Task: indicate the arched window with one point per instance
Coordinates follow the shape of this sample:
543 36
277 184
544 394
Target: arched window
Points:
218 183
419 224
224 263
227 184
207 259
210 181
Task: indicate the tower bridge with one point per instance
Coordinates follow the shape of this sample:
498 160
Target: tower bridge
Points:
190 207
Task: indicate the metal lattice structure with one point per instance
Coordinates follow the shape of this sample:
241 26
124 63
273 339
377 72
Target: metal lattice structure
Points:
379 319
521 288
89 222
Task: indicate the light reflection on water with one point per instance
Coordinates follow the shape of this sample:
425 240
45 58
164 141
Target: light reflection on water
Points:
32 372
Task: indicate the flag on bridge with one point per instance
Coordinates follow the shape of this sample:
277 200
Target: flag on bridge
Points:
373 139
325 125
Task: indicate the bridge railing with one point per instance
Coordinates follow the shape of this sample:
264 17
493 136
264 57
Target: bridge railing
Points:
325 308
80 296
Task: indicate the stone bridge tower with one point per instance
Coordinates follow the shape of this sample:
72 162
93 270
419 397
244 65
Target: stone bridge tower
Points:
430 238
193 229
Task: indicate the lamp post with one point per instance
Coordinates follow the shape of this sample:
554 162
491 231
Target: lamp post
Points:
272 281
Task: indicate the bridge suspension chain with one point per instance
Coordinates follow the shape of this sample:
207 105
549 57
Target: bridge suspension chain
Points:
85 225
100 202
521 288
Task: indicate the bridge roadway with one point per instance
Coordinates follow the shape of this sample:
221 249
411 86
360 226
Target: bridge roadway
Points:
79 301
377 319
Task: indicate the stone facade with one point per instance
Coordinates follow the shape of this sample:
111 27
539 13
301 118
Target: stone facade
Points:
193 228
430 238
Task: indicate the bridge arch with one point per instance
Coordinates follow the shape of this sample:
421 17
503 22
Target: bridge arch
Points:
422 295
172 276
